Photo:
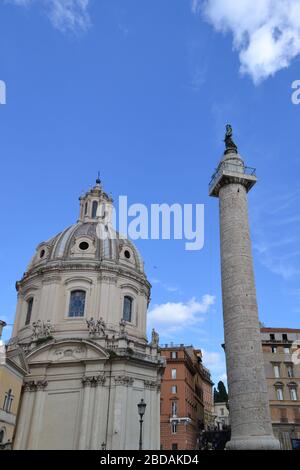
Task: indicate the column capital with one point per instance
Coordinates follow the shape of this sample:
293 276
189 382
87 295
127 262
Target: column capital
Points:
41 384
124 380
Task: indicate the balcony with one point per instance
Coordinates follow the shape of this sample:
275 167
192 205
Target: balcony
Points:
228 172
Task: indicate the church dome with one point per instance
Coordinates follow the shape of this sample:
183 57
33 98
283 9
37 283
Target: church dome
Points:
86 272
91 240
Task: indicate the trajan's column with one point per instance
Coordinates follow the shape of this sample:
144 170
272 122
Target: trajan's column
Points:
251 426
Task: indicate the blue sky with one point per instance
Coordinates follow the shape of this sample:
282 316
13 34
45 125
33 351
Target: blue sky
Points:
142 91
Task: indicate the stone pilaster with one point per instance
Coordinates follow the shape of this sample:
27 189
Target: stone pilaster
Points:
83 436
99 414
37 412
24 416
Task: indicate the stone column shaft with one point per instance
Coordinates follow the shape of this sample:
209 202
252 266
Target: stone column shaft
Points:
248 394
250 419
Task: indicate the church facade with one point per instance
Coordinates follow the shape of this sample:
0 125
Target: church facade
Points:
81 322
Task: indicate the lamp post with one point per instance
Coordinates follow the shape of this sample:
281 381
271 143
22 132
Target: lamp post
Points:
141 409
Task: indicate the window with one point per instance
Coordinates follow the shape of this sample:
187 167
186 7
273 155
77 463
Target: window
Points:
29 311
174 354
279 393
84 246
276 371
1 436
174 373
274 349
77 303
293 394
174 388
284 337
286 350
85 208
272 337
283 415
290 371
174 408
297 415
8 399
174 446
174 428
222 411
127 308
127 254
94 209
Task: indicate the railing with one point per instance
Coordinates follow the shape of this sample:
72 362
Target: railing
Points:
234 167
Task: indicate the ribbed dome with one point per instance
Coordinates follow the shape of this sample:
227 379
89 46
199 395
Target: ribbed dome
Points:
91 239
81 242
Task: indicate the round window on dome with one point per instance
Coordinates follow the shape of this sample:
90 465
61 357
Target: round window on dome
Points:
84 246
42 254
127 254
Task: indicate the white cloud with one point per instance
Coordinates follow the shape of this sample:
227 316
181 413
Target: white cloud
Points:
266 33
172 316
215 362
65 15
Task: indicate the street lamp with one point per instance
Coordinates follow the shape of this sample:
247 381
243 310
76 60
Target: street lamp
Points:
141 409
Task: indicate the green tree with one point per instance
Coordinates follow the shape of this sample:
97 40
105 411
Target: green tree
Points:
220 394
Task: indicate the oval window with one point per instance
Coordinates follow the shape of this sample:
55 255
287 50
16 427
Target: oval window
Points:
42 254
127 254
84 246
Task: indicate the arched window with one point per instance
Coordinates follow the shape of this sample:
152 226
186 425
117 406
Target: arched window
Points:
127 308
293 391
29 311
94 209
279 391
77 303
293 394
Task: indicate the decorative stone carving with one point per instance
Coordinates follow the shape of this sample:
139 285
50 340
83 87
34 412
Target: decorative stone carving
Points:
93 380
122 327
29 386
150 384
68 353
87 381
124 380
33 386
100 379
42 330
96 328
155 339
41 384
